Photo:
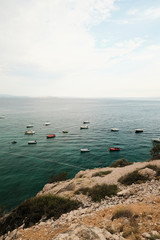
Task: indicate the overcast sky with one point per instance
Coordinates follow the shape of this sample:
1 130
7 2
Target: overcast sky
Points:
80 48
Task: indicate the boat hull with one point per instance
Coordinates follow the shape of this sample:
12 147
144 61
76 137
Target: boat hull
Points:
84 127
138 130
85 150
51 136
114 149
114 129
32 142
30 132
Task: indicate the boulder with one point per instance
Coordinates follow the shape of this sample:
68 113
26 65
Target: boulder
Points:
147 172
83 232
126 193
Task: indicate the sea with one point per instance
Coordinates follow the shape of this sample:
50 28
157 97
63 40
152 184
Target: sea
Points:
25 169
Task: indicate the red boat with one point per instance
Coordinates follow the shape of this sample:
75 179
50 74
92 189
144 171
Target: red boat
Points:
114 149
51 136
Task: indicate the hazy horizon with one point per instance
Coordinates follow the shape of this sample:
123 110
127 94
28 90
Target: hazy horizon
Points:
73 97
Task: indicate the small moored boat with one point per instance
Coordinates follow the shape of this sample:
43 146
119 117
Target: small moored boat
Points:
84 127
85 150
51 136
29 126
65 131
114 129
85 122
114 149
13 142
47 123
156 140
32 142
2 116
138 130
31 132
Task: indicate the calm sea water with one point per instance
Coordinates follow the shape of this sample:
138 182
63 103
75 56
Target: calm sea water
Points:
24 169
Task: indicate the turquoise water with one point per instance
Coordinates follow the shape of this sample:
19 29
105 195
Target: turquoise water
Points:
24 169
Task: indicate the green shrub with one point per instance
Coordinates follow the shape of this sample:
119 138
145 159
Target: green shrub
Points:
154 237
59 177
133 177
98 192
120 163
80 176
155 151
84 191
32 210
158 172
153 167
122 212
2 210
101 174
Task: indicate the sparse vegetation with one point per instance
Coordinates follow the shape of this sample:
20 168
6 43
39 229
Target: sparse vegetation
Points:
2 210
122 212
32 210
129 228
120 163
154 237
153 167
155 151
80 176
98 192
101 174
133 177
62 176
158 172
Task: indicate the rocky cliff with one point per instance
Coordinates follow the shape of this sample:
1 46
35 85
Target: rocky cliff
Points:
133 213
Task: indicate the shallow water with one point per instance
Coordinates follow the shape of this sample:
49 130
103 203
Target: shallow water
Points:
24 169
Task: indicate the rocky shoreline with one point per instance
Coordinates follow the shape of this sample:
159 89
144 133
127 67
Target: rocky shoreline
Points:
94 221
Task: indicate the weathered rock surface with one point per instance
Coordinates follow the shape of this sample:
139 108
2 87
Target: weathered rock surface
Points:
85 178
83 232
147 172
93 221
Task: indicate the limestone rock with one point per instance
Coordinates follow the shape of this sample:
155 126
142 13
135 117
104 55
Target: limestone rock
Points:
126 192
68 187
83 232
147 172
146 235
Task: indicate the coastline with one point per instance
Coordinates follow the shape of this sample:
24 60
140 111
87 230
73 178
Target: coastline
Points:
85 179
96 218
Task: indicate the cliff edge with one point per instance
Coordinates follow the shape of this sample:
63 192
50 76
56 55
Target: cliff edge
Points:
132 212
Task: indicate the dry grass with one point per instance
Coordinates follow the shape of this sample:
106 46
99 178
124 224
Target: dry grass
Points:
146 215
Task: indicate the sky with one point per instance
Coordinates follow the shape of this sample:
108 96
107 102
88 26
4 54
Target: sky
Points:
80 48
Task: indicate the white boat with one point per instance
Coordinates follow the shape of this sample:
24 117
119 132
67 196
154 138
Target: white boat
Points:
29 126
84 127
2 116
31 132
138 130
85 150
47 123
32 142
114 129
156 140
65 131
85 122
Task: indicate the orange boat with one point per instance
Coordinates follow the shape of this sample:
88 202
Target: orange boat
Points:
114 149
51 136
